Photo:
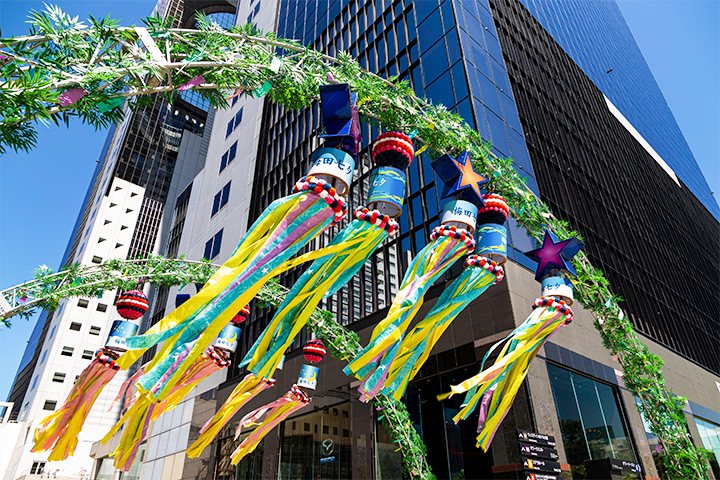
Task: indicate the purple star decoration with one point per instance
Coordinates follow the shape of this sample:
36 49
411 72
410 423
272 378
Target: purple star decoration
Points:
555 254
460 178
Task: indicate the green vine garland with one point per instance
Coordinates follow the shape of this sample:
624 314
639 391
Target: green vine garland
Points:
111 62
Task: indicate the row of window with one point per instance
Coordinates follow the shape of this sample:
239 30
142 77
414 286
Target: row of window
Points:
212 246
75 326
221 199
234 122
68 352
228 157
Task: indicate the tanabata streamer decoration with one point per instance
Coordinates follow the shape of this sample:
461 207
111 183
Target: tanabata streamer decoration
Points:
132 305
274 413
282 230
481 271
145 410
249 387
449 242
356 243
495 388
59 430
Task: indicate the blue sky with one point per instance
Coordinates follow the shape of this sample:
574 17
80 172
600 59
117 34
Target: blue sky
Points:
41 192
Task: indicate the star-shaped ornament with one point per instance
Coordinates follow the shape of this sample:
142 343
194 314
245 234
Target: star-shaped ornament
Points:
555 254
460 178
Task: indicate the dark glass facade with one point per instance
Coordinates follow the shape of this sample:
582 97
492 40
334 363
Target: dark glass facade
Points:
619 70
634 218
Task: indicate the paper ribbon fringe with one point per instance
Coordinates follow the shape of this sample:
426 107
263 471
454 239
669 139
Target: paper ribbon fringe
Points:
282 230
59 430
496 387
249 387
416 347
144 410
356 242
371 364
274 413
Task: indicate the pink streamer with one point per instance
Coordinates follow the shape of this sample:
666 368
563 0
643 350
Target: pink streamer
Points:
71 96
126 390
194 82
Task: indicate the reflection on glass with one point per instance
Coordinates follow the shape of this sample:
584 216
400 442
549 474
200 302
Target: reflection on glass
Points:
387 457
590 420
317 445
710 436
249 468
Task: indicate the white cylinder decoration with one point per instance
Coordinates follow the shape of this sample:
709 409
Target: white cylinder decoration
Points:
559 287
460 213
333 166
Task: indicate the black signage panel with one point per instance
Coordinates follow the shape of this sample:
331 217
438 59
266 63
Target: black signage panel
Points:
624 466
541 465
540 476
531 450
536 438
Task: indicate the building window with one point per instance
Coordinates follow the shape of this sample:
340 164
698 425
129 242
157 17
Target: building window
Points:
590 419
83 303
228 157
94 330
101 307
67 351
42 359
710 436
38 468
52 332
75 326
58 377
212 247
221 199
96 259
234 122
87 354
50 405
311 447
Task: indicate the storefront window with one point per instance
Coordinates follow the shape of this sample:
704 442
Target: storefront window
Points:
451 448
710 436
317 445
249 468
590 419
387 456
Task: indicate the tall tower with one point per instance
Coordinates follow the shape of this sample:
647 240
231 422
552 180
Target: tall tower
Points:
140 172
531 77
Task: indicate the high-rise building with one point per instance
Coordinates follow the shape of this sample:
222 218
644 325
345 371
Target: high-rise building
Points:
561 88
144 163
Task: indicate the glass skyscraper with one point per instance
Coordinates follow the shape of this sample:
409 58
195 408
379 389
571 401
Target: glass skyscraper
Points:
562 89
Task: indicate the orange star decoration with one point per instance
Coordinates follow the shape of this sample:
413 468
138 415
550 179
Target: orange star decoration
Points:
460 179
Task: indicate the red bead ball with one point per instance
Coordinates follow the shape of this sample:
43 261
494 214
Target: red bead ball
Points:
241 316
132 304
314 351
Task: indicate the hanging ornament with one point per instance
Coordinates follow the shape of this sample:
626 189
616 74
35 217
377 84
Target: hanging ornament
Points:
314 351
481 271
145 410
249 387
59 430
449 242
242 315
132 304
350 250
495 387
266 250
274 413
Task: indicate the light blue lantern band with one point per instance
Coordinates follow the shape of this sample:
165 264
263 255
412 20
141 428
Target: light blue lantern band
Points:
461 213
119 332
492 242
387 191
334 166
308 377
558 287
227 339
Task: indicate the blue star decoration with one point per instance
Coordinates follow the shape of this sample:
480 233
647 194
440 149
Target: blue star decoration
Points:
460 179
555 254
